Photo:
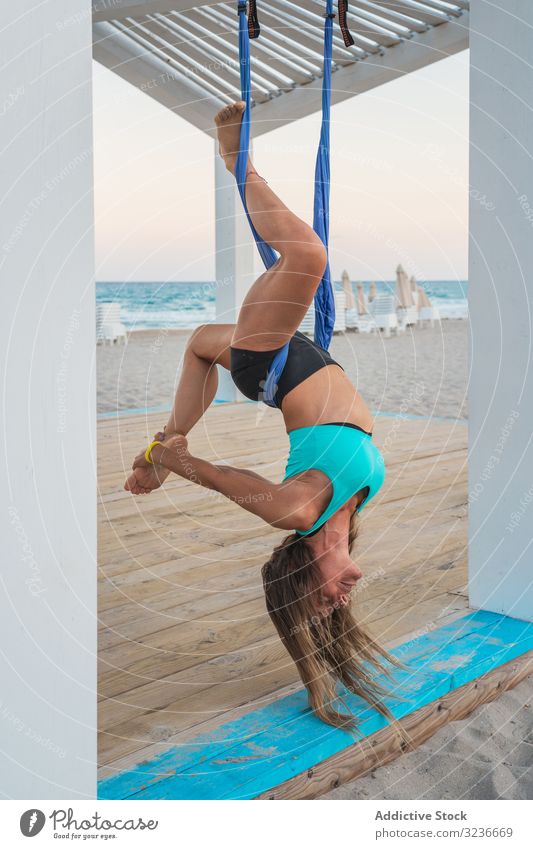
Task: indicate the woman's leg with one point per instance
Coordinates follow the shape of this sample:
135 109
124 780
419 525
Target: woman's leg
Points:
207 347
279 299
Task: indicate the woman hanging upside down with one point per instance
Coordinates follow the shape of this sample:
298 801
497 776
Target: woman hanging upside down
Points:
333 467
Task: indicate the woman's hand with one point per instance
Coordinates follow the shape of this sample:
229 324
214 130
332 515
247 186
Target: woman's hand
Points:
146 476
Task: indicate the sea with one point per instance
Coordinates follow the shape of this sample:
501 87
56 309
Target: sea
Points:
148 305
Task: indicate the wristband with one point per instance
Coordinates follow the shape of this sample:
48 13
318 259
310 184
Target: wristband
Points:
149 449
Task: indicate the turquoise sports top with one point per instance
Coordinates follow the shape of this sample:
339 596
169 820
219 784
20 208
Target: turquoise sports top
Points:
345 454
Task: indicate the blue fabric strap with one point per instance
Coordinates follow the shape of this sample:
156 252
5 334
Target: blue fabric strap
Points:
324 300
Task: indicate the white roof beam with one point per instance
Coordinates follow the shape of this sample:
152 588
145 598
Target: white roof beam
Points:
411 23
309 35
189 61
427 10
204 54
274 37
419 10
194 101
412 54
449 8
184 61
377 33
228 48
305 21
113 10
387 25
359 25
279 59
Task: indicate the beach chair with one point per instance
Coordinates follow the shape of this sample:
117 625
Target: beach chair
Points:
358 318
340 312
109 327
383 312
308 324
428 315
407 317
359 323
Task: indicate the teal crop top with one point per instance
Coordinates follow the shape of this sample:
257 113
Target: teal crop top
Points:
345 454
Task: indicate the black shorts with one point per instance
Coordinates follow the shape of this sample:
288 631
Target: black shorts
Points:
250 368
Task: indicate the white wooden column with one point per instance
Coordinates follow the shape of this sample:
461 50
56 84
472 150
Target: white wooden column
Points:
501 308
47 349
234 267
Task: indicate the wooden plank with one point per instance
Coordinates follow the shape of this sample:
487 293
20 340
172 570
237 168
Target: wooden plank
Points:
166 691
179 646
384 746
267 747
455 606
181 604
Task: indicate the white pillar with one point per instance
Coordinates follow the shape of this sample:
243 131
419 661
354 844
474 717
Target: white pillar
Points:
47 349
501 307
234 267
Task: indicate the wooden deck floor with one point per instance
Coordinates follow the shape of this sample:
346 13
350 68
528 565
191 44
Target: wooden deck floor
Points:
185 642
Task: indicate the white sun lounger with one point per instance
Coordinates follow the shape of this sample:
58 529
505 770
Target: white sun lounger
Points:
383 311
109 327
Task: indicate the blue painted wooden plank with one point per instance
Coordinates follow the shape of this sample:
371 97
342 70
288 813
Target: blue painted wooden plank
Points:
208 746
433 686
271 744
295 705
277 754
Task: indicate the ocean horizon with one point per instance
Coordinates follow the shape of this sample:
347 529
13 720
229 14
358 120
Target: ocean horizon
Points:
147 305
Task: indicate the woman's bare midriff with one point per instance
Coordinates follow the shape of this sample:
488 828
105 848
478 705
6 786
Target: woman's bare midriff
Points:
326 396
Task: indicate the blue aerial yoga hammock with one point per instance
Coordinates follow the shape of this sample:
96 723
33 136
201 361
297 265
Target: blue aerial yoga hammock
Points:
324 300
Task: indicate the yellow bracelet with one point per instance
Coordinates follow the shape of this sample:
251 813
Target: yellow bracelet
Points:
148 450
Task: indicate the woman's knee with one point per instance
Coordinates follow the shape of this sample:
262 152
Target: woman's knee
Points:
311 259
210 342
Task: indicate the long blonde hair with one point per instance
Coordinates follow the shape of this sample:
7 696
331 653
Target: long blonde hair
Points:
326 649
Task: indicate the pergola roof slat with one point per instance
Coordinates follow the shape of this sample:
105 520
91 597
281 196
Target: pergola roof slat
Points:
312 30
139 39
268 63
274 41
375 31
279 59
420 10
450 8
411 22
182 58
153 73
366 28
222 61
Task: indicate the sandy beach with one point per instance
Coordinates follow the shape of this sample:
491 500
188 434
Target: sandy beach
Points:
421 372
489 755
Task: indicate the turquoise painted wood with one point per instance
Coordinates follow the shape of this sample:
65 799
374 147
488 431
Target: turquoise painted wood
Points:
251 755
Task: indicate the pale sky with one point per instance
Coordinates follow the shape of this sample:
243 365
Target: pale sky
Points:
399 180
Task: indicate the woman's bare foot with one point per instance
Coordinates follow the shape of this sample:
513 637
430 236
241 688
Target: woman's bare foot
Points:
144 480
228 122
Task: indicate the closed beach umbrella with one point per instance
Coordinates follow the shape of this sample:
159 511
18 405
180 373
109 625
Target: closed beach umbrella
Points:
348 291
423 300
404 293
361 306
414 289
372 292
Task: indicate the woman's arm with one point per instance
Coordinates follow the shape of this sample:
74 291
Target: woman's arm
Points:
287 505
